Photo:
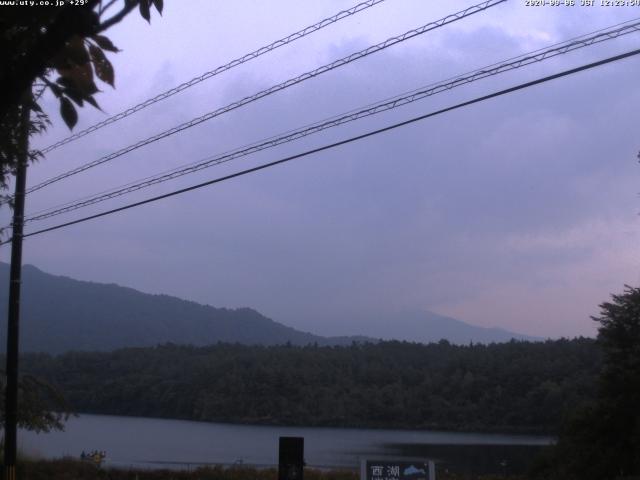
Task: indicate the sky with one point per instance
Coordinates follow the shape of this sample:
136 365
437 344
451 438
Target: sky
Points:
520 212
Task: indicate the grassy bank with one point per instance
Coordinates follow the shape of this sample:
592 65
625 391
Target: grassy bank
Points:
68 469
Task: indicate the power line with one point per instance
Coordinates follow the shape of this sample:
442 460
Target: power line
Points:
216 71
281 86
389 104
342 142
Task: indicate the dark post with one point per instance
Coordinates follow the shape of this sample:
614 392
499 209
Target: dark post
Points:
291 458
11 394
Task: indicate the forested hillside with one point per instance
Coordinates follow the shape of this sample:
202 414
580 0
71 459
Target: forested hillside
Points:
60 314
515 386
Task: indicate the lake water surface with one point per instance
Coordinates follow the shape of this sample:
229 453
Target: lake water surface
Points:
156 443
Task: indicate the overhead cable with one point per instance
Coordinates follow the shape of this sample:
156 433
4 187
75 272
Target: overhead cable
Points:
389 104
216 71
339 143
276 88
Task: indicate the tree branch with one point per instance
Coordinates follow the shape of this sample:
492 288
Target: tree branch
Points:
69 21
106 7
117 18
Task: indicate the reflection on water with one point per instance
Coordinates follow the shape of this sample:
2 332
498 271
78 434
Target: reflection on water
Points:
157 443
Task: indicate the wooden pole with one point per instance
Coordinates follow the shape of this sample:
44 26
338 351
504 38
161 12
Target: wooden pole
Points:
11 393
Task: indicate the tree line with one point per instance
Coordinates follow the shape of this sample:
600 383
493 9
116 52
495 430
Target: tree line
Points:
510 387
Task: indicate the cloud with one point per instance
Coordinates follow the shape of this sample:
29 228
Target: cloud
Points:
519 212
563 288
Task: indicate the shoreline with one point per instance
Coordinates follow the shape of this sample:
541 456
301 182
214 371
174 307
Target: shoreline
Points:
527 432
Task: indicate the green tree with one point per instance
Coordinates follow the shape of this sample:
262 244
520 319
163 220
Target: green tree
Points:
60 48
602 440
41 406
619 336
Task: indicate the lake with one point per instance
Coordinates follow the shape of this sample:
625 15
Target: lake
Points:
160 443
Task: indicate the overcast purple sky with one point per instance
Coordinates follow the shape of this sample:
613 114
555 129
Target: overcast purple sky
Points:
520 212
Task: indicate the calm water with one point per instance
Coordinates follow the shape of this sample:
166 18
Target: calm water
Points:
155 443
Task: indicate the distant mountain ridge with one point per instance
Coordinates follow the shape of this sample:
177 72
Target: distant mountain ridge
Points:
59 314
427 327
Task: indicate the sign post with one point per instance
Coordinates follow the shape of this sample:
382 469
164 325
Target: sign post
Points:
400 469
291 458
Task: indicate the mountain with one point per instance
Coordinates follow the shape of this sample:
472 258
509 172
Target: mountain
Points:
59 314
427 327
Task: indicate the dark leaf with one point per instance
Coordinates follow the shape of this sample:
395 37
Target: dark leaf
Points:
103 67
105 44
57 91
68 112
76 51
65 81
35 107
79 77
74 95
144 10
60 61
93 102
159 4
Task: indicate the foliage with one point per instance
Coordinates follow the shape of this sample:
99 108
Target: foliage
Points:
602 440
11 148
516 386
67 468
36 43
65 41
41 407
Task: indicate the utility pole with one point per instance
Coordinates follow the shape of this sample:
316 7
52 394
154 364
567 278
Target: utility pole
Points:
11 394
